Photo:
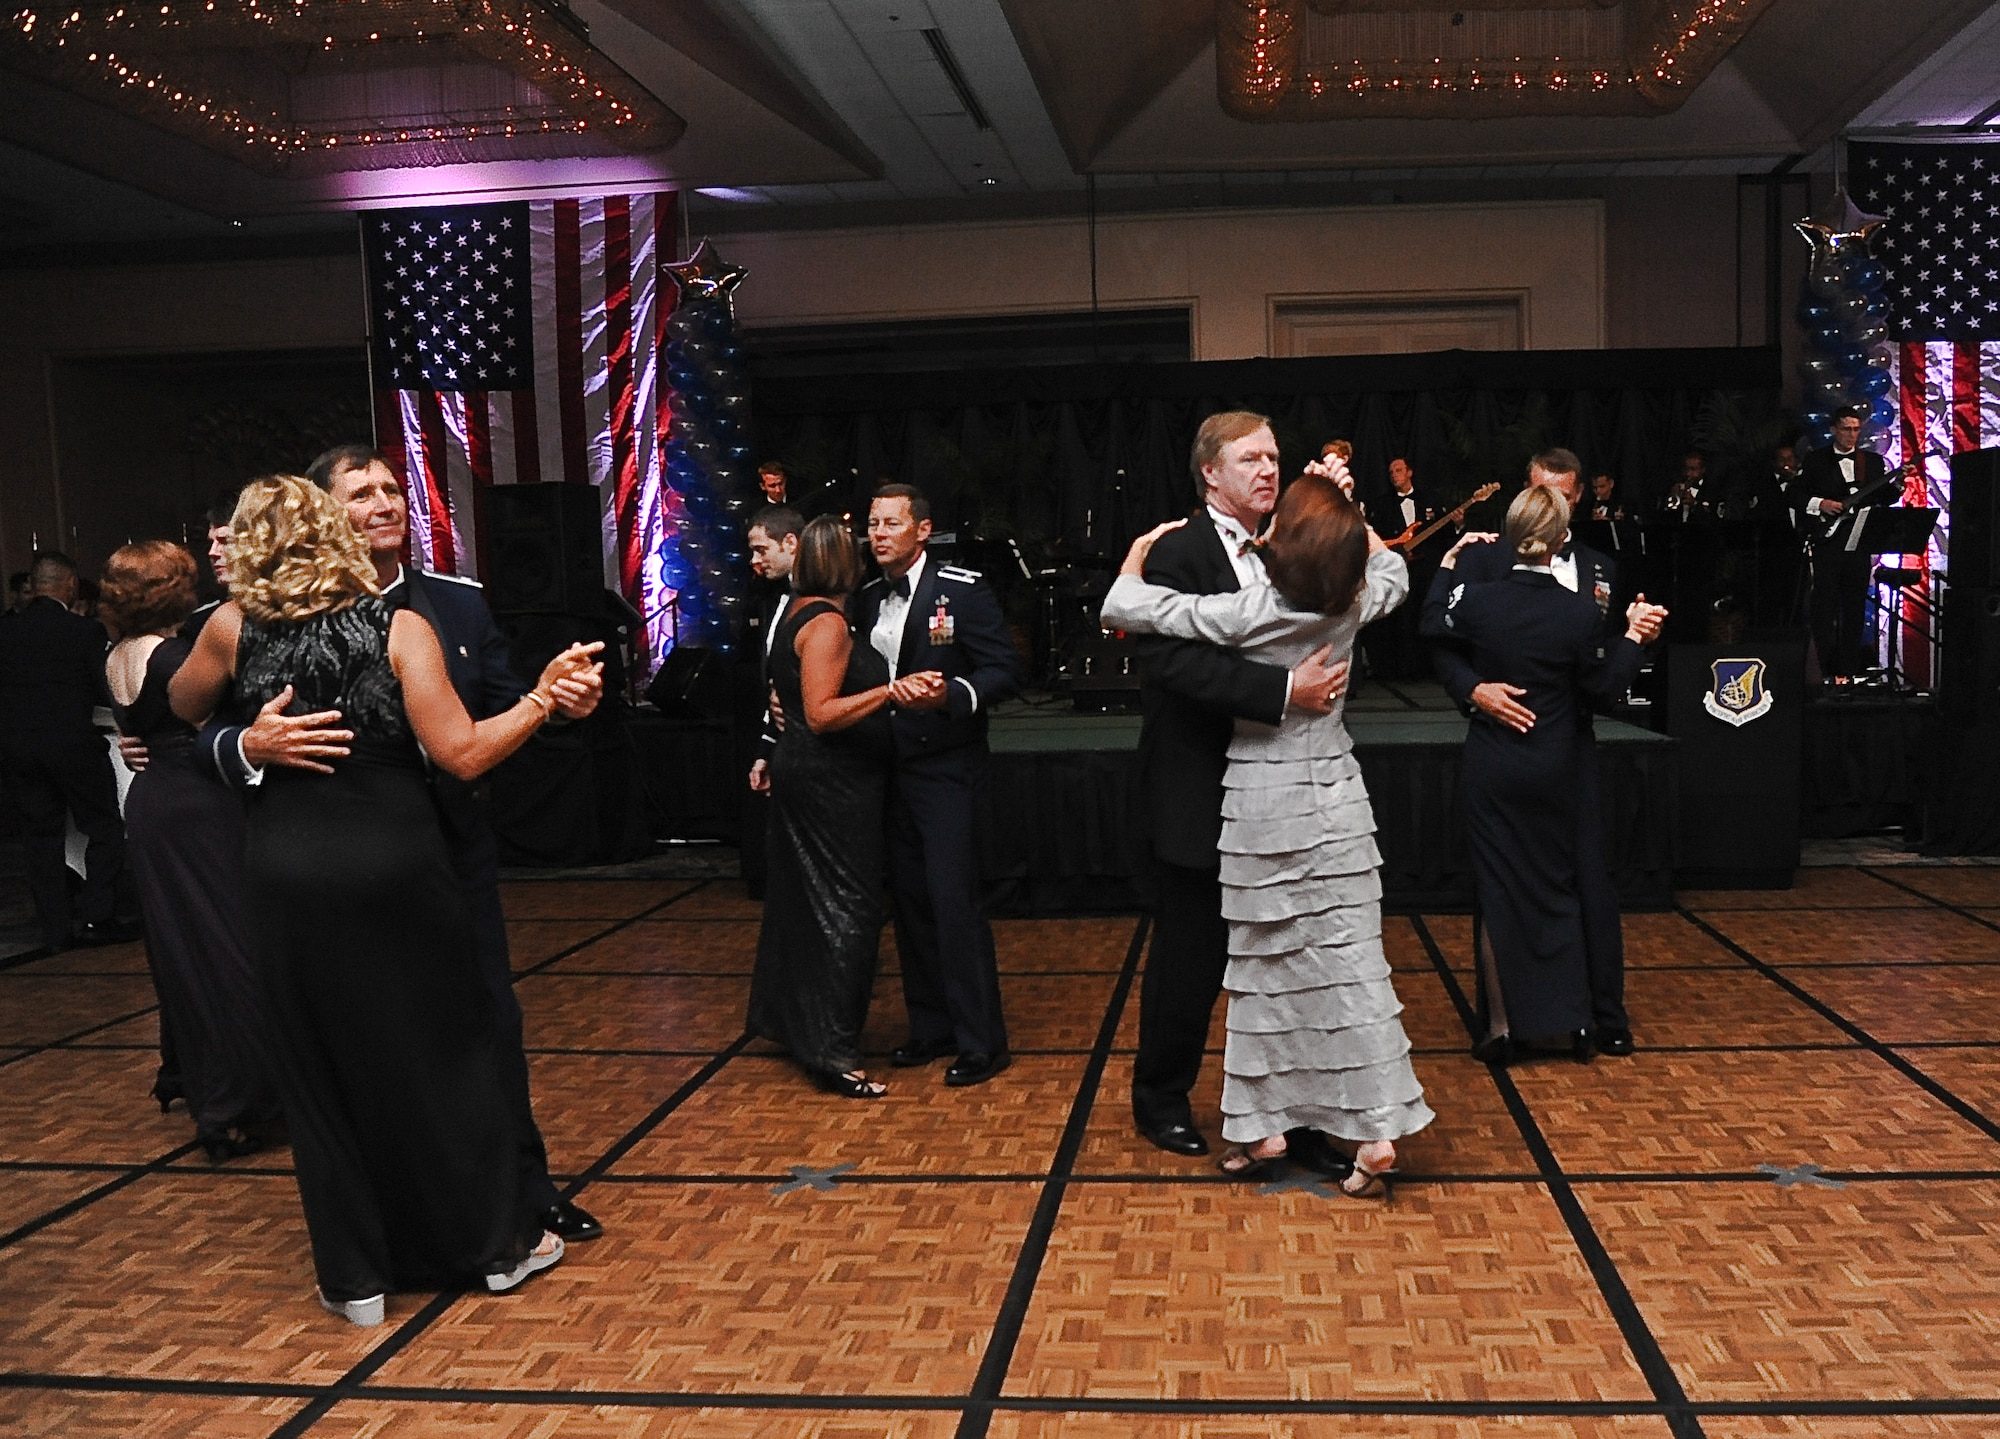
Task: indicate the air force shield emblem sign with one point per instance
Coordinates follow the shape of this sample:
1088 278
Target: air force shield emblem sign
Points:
1737 694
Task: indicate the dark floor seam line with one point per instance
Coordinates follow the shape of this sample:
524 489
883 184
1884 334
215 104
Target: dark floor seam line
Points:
583 944
1964 1110
987 1384
34 1050
1405 1179
1958 909
1639 1337
89 1197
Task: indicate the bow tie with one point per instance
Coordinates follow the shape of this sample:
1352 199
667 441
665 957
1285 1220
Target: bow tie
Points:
900 587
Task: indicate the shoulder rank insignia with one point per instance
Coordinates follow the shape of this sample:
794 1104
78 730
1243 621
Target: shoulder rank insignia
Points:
959 573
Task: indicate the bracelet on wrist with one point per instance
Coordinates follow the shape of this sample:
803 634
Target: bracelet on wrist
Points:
548 709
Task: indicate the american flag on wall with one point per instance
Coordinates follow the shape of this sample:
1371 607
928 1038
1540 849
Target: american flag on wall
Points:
523 342
1941 247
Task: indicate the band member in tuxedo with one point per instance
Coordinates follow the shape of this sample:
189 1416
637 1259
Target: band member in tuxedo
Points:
482 673
773 481
774 549
1606 503
926 618
1582 571
1825 495
1392 646
1192 694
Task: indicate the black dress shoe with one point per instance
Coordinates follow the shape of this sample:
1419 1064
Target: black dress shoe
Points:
1580 1047
571 1223
1615 1042
976 1068
1175 1138
96 936
910 1055
1495 1049
1310 1149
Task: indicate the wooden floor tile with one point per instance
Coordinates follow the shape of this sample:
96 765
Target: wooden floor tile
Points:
1402 944
1321 1426
669 946
179 1276
1024 946
1056 1011
40 1009
1719 1006
870 1289
1672 941
1704 1113
76 1414
530 941
585 1103
139 1032
1909 1005
593 1011
1458 1292
1833 1426
1453 935
761 1115
1875 1291
1815 888
1975 886
716 899
98 959
1971 1074
606 899
1860 937
28 1194
378 1419
87 1106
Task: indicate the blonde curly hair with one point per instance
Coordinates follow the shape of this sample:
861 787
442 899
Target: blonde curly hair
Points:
293 553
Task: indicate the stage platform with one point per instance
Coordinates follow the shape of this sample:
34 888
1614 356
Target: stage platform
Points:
1063 827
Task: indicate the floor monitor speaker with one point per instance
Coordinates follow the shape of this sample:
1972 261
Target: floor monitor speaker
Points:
1975 519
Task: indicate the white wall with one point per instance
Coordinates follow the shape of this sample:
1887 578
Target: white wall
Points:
1228 266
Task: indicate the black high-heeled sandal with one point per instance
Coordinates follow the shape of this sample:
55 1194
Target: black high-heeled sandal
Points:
849 1086
1251 1166
1374 1182
167 1088
226 1144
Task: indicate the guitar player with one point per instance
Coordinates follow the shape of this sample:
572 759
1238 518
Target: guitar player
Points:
1393 650
1831 485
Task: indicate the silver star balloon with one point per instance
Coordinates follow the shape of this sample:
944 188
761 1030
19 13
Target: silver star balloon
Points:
1841 227
705 275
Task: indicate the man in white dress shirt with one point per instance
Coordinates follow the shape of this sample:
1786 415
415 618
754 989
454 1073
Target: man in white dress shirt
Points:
1832 484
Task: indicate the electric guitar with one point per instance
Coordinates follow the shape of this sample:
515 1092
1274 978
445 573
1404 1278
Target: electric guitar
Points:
1828 527
1417 533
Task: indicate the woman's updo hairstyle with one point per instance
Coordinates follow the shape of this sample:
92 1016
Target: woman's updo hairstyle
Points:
1317 554
1536 523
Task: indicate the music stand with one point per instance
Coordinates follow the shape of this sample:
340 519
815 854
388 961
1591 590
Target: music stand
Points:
1890 530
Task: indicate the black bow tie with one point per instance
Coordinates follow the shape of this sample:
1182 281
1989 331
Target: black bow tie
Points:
900 587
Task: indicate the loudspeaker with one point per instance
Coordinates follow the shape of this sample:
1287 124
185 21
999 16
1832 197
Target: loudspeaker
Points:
1969 666
692 684
1975 518
544 546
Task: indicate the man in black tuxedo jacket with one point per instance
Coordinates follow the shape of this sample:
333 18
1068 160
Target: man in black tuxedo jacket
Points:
52 759
1581 569
1192 694
482 673
943 623
1824 495
1394 651
773 537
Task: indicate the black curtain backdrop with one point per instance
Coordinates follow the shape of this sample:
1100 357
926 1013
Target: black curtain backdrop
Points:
1073 460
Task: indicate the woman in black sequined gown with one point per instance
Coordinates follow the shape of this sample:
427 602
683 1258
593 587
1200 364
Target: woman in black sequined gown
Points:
816 950
407 1159
184 831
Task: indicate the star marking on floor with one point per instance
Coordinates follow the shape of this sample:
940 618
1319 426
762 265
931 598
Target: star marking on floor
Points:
804 1176
1301 1180
1800 1174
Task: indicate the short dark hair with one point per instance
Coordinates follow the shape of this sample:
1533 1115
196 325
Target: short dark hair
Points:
222 507
777 521
148 585
340 459
920 507
1557 462
772 467
1317 555
1848 412
829 561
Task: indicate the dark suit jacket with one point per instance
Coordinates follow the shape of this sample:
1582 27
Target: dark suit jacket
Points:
51 675
1385 511
978 660
1192 694
1820 478
1596 580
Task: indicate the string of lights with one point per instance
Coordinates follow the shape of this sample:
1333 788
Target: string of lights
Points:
173 64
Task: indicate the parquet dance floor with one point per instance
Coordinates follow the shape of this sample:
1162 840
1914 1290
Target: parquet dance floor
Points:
1782 1217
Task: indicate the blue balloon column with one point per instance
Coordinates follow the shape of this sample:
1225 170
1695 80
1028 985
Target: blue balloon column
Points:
705 556
1844 312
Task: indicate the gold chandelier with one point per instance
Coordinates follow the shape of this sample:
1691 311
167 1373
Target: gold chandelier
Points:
1304 60
296 86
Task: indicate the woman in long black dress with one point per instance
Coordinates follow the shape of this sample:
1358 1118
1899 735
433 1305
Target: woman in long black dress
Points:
816 950
407 1157
184 832
1520 786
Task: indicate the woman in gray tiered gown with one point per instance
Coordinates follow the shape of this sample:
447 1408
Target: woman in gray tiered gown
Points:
1315 1040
